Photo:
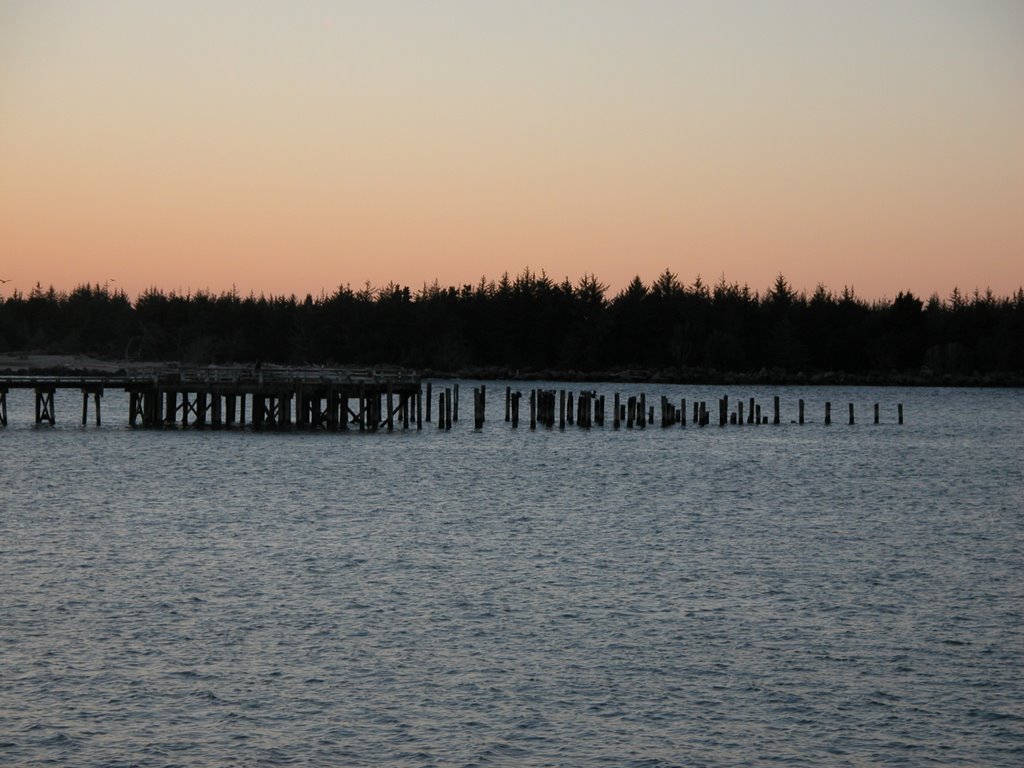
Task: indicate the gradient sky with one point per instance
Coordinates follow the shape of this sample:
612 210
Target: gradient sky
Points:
285 147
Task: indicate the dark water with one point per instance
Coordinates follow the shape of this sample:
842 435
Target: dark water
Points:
792 595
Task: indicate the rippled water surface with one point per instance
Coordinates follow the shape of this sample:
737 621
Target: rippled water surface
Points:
798 595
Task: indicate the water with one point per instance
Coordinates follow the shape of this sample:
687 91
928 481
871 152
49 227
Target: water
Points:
800 595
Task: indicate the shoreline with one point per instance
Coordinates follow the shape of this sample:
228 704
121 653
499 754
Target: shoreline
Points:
36 362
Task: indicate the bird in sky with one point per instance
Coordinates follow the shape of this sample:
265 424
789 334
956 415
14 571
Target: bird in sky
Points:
4 281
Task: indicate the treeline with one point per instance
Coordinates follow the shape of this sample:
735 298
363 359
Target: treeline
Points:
532 323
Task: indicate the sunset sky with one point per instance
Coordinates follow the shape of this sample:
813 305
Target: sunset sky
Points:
289 147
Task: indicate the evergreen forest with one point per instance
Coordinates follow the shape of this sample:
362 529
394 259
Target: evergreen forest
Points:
531 324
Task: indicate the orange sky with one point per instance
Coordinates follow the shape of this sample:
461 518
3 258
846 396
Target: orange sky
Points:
290 148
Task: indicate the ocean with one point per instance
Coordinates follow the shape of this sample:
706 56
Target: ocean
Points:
748 595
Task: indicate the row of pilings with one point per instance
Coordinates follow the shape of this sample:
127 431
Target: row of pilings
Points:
365 408
548 406
387 406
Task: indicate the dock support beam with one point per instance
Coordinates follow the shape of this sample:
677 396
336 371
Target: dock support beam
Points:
96 393
44 405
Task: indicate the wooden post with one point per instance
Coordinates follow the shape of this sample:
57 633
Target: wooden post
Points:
876 413
750 414
515 410
230 406
448 408
440 410
216 410
429 400
533 409
280 408
241 410
343 414
801 409
561 408
851 413
200 409
3 407
508 403
723 410
615 413
419 408
85 407
391 408
899 413
828 412
332 409
682 411
757 418
97 396
739 412
642 416
775 418
455 403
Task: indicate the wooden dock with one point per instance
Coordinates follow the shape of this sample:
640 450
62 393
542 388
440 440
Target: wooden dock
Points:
340 399
226 396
